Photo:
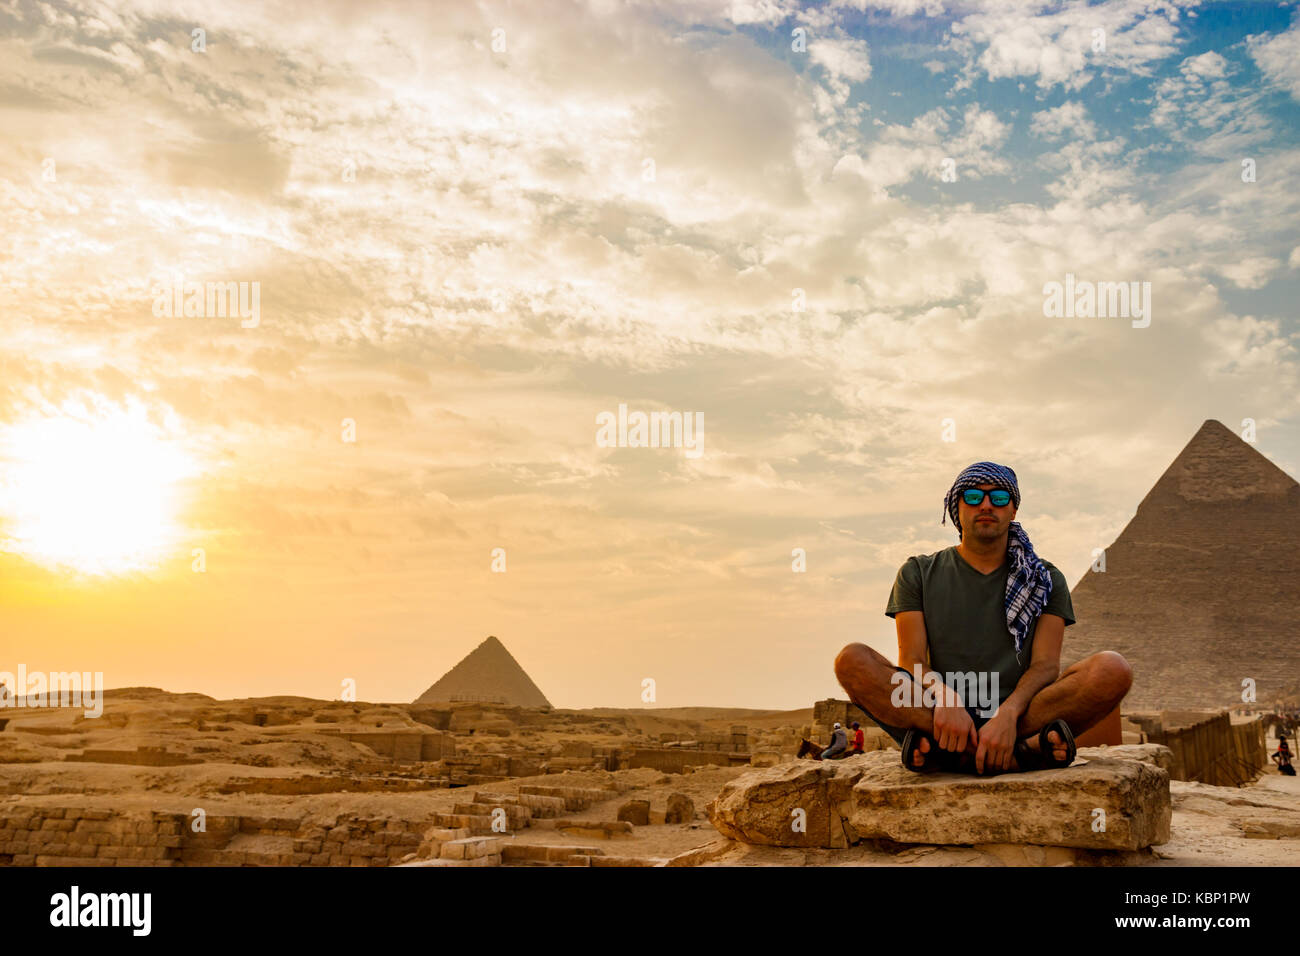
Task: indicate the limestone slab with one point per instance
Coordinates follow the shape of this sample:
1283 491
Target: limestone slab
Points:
763 806
1158 755
471 848
1045 808
1099 802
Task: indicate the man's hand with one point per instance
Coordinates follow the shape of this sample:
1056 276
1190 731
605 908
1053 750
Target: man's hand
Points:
997 742
953 728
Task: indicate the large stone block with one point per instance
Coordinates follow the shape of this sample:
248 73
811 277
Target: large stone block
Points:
595 829
1045 807
763 806
636 812
524 766
681 809
873 796
471 848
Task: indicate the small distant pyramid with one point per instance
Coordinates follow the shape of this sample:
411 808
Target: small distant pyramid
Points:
488 674
1200 588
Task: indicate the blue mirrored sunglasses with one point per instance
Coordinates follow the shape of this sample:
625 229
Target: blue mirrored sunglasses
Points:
975 497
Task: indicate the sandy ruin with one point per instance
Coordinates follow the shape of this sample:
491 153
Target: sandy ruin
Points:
298 782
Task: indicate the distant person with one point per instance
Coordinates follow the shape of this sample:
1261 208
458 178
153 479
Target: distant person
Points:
1282 757
859 739
839 743
987 607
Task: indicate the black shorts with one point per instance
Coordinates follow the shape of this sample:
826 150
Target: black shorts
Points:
898 732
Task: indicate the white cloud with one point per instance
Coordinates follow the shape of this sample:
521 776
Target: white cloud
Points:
1069 118
1278 57
761 11
842 57
900 8
1250 273
1247 345
901 153
1203 110
844 60
1089 172
1208 65
1057 47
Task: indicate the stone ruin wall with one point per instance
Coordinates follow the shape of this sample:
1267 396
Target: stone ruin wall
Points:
402 746
667 760
76 836
677 751
48 835
738 740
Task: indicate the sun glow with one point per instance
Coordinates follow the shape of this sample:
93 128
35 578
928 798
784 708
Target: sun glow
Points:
93 490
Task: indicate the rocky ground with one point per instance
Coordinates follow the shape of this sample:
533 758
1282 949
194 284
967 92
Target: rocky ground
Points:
1254 825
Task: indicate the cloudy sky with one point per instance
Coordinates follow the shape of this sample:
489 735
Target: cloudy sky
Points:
474 227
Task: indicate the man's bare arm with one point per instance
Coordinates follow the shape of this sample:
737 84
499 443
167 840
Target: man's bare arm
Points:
914 649
1044 666
913 641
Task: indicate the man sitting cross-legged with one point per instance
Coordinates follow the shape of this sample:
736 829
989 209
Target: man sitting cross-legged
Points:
987 607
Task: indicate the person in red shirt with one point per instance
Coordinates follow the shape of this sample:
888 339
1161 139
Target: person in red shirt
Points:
858 739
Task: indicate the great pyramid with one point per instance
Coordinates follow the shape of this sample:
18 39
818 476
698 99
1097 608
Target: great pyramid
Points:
1200 588
487 674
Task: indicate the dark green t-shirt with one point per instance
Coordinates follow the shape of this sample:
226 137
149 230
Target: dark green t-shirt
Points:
965 614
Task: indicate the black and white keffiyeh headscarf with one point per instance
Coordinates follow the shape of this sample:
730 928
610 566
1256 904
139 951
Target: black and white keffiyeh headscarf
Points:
1029 583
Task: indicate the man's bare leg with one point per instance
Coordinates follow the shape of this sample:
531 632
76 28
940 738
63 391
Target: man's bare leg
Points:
1087 691
868 678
